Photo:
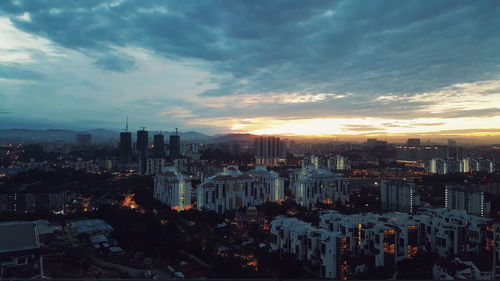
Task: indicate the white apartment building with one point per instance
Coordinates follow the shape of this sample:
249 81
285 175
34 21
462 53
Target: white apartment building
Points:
338 163
172 189
396 195
466 165
273 185
444 166
459 197
311 186
229 190
478 165
315 247
388 238
155 165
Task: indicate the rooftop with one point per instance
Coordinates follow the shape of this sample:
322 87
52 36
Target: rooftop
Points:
16 236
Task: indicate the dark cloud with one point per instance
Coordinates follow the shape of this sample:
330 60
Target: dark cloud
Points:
114 63
368 48
458 113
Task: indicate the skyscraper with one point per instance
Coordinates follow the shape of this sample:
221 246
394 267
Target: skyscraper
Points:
142 141
158 146
174 148
125 147
142 148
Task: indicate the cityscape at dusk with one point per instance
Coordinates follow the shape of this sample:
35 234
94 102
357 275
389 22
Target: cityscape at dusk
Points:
247 140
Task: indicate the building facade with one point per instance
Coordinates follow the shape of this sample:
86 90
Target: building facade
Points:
172 189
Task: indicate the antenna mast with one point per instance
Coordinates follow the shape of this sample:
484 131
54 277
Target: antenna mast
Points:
176 132
126 125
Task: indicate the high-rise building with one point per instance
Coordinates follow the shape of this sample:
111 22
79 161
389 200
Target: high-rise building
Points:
158 146
413 142
459 197
174 147
142 148
142 141
83 139
125 148
396 195
268 151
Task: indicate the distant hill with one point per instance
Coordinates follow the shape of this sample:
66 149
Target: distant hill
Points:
191 135
233 137
26 135
98 135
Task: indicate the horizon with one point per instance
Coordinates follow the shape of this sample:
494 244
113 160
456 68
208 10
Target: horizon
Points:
329 69
396 139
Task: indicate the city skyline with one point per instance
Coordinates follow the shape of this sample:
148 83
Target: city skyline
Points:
343 68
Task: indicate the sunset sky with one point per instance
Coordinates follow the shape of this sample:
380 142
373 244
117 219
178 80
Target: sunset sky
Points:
266 67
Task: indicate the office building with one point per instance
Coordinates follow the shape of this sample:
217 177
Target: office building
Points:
19 251
459 197
396 195
83 139
172 189
268 151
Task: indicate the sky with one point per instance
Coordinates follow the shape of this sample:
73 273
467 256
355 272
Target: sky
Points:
322 68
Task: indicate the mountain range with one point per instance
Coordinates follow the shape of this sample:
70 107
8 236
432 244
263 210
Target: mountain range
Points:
105 135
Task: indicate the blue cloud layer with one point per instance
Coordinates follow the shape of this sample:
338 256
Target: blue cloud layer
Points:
363 49
366 47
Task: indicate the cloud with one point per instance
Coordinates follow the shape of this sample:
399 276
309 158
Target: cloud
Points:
387 46
114 63
235 61
12 72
